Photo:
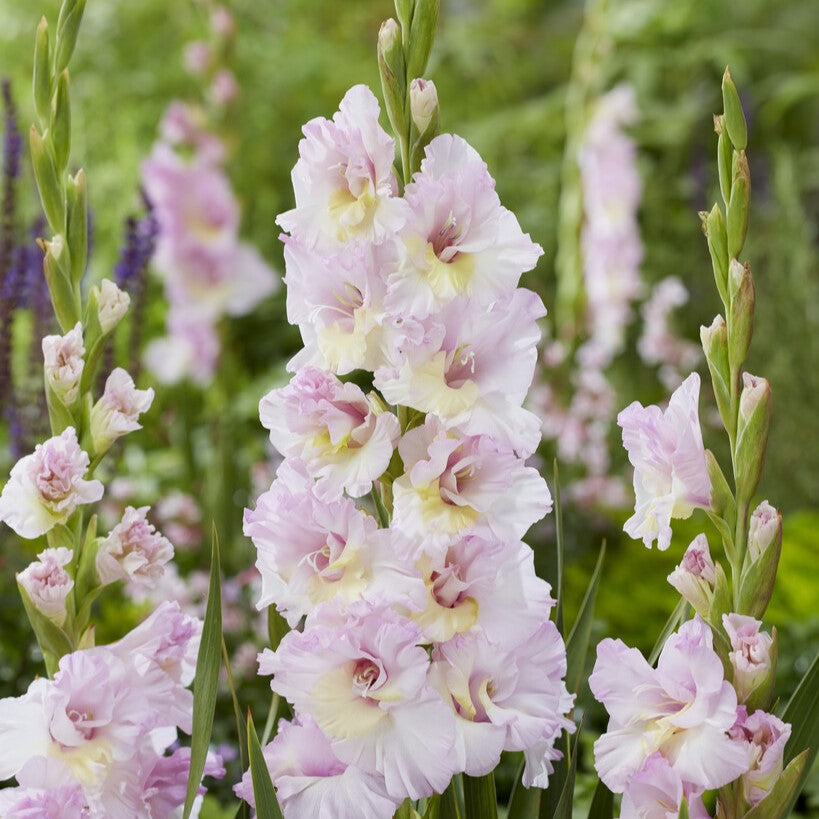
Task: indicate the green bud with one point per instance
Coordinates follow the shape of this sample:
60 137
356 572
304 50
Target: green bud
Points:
722 499
724 153
761 561
721 600
42 74
64 296
404 9
718 248
742 300
422 35
77 224
734 116
738 205
68 26
752 433
393 75
61 123
715 346
48 183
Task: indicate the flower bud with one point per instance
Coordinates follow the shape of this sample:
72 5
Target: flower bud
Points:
423 104
63 364
48 584
68 26
116 413
422 35
77 223
113 305
63 296
393 74
722 499
734 116
724 154
738 205
742 299
715 346
197 58
714 225
752 432
45 173
42 73
61 122
224 89
222 22
752 656
695 577
764 548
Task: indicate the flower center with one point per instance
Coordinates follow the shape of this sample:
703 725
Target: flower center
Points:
444 240
367 676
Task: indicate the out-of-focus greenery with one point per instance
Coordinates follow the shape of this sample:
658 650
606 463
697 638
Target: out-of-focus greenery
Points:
501 68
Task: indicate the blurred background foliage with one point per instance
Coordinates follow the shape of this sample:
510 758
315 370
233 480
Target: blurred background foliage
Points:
501 68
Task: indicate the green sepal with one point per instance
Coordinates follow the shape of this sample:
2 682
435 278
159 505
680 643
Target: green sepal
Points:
422 36
717 237
48 183
715 346
683 814
59 415
726 532
743 300
725 151
757 580
64 298
86 578
392 68
734 116
61 122
50 637
277 627
68 27
721 601
404 10
752 437
77 224
42 74
722 498
738 205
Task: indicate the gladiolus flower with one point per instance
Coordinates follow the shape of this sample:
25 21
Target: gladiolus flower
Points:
116 413
63 357
48 584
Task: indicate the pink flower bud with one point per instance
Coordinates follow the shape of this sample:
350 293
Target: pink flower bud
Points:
423 103
197 57
63 361
695 577
48 584
751 655
222 22
756 392
224 88
133 550
766 737
765 528
116 413
113 305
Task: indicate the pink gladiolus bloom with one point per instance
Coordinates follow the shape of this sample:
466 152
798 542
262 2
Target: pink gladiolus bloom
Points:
344 182
360 674
312 550
454 483
116 413
459 240
332 429
670 474
311 780
133 550
750 655
337 301
656 791
166 783
506 696
765 737
47 486
59 802
472 367
480 584
47 583
63 363
684 709
224 89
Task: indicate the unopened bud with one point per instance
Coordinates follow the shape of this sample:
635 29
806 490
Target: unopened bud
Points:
734 115
718 248
753 658
715 346
77 223
42 74
393 73
63 296
113 305
47 583
762 561
742 301
422 35
423 103
722 499
724 154
222 22
696 575
738 205
63 364
61 122
68 26
45 172
752 432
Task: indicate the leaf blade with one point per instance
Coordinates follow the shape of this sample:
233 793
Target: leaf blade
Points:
267 806
480 799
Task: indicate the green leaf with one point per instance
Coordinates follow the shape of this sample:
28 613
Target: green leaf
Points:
683 814
783 795
480 800
241 728
564 805
802 712
602 804
276 627
206 683
449 807
404 810
677 616
381 513
524 803
267 806
577 645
